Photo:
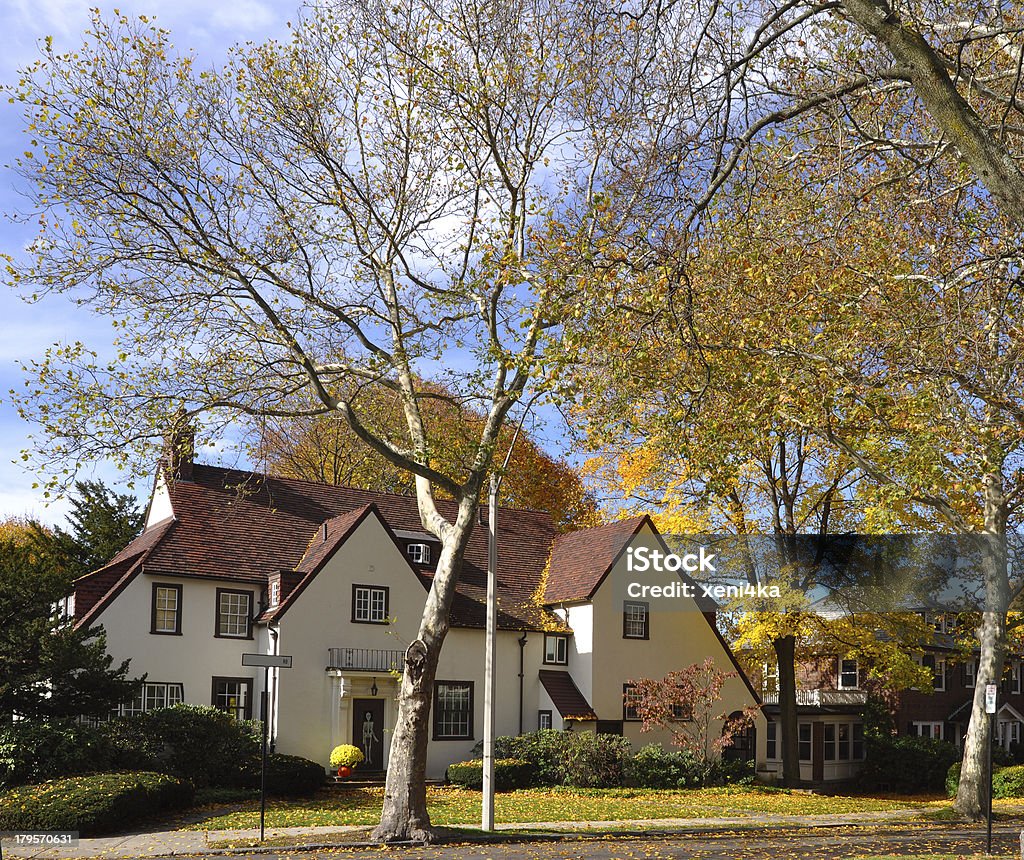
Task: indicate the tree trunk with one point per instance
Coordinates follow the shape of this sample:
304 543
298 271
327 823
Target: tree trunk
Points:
972 793
785 655
404 816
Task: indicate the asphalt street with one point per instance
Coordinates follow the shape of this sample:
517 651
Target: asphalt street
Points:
822 844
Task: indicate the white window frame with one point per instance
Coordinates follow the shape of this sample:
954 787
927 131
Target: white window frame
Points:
274 592
1015 676
843 671
151 695
935 731
450 723
631 619
374 608
556 649
234 621
970 673
419 553
769 677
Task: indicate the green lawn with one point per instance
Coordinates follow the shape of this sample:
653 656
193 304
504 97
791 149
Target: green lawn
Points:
452 806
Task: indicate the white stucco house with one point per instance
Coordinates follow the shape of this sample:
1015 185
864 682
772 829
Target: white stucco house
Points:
232 562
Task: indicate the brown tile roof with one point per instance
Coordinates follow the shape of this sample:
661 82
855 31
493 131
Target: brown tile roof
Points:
331 535
239 525
566 696
95 590
581 560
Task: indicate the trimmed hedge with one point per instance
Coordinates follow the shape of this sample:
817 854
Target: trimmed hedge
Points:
908 764
32 751
1006 781
509 774
287 775
206 746
92 805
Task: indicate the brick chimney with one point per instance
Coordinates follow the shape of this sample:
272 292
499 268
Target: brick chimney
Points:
179 448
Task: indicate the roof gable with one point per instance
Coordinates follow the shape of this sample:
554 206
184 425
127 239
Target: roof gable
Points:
581 560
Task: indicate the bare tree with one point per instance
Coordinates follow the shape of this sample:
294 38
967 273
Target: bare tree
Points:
398 191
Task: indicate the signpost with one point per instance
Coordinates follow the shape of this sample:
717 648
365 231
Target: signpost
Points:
268 662
991 693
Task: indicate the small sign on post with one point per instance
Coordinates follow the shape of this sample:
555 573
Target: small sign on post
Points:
991 691
267 662
991 694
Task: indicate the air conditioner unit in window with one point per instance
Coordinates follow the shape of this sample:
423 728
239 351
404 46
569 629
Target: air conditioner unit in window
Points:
419 553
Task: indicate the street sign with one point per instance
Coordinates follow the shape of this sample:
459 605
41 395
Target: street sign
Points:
268 661
990 698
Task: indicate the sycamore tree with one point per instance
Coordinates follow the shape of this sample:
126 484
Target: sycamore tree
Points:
894 350
399 191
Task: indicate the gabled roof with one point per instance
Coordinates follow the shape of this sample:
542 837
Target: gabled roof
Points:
95 590
329 537
242 526
581 560
566 696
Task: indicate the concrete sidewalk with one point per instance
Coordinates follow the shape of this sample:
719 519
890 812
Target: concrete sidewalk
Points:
179 842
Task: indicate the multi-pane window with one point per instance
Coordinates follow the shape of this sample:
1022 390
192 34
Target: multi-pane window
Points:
769 677
927 730
635 620
233 695
772 739
369 604
166 611
938 667
543 720
804 741
453 710
970 671
630 700
234 617
1015 676
848 675
274 592
419 553
556 649
858 741
154 695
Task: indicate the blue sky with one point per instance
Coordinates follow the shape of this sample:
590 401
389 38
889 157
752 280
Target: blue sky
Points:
26 330
206 28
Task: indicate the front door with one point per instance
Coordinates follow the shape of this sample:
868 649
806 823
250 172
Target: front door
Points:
368 732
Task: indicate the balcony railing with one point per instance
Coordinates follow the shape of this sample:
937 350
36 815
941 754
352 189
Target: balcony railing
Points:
364 659
821 698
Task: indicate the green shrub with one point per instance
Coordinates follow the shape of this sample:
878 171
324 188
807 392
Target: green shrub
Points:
1008 781
543 749
287 775
656 767
953 779
31 751
206 746
908 764
733 772
509 774
92 805
593 761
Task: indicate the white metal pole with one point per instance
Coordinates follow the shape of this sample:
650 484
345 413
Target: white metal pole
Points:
487 817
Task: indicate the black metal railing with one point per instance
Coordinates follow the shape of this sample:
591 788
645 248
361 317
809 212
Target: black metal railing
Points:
364 659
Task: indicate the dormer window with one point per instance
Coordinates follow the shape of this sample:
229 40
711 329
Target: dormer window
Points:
274 593
419 553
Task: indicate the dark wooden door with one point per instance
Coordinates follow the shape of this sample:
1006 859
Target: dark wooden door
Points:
368 732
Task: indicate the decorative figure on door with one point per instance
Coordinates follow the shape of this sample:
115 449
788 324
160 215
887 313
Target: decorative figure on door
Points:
369 736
